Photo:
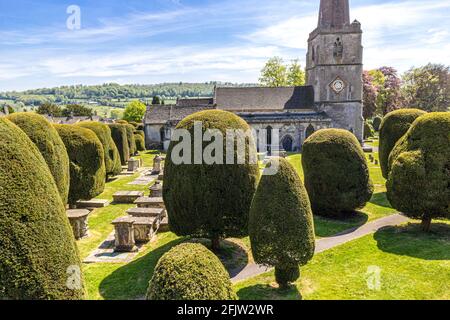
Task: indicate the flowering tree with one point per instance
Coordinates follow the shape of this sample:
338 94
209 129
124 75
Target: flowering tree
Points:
370 94
390 97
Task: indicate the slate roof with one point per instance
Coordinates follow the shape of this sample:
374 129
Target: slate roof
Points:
264 99
160 114
305 115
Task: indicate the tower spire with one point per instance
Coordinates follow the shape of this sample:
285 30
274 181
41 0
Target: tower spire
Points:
334 13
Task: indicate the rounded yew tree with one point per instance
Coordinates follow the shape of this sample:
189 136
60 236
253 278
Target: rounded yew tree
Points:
211 199
113 163
139 138
190 272
281 226
394 126
130 138
368 130
419 178
119 136
377 123
87 162
336 173
38 251
52 148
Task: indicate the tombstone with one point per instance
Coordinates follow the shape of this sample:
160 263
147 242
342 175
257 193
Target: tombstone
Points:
156 190
127 196
133 165
78 221
92 204
146 212
124 235
164 225
148 202
157 164
161 176
144 228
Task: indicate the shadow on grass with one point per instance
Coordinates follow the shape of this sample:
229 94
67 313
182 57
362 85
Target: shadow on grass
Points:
380 199
268 292
131 281
327 227
410 240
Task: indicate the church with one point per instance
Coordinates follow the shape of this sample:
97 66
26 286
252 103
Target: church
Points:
332 97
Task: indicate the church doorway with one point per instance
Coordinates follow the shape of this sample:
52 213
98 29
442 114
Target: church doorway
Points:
269 140
287 143
309 131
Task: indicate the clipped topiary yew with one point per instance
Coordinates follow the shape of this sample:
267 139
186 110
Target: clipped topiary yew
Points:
130 138
281 226
119 136
368 130
377 123
393 127
419 178
336 173
37 245
49 143
113 163
190 272
139 138
87 162
210 200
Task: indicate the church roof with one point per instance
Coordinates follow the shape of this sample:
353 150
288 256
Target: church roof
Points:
264 99
160 114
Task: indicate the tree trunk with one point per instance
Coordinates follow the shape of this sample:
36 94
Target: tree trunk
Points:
426 223
215 243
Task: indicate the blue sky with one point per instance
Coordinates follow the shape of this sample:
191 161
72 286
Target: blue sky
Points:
153 41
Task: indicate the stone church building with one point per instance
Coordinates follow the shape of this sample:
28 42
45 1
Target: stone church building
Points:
332 97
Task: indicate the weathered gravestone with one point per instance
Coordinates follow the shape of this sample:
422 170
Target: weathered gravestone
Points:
78 221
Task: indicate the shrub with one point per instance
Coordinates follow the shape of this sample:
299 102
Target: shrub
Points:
190 272
87 162
210 200
393 127
377 123
368 130
113 163
281 225
36 240
135 111
336 172
52 148
139 138
419 177
119 136
130 138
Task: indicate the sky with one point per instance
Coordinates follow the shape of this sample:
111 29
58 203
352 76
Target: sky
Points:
155 41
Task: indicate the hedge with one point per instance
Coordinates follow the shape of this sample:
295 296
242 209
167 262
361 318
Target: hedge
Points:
419 179
190 272
113 163
336 173
393 127
130 138
281 226
139 138
368 130
36 240
119 136
377 123
87 162
52 148
212 200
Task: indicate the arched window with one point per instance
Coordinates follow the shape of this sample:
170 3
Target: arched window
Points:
309 131
269 139
287 143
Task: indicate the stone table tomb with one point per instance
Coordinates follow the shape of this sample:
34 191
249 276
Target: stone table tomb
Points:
124 235
78 221
127 196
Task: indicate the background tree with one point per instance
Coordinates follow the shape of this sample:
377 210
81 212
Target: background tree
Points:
156 100
281 225
134 111
428 88
49 109
295 74
390 94
419 177
274 73
36 240
370 95
77 110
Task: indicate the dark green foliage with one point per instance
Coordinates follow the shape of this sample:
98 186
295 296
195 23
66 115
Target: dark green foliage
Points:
52 148
156 100
87 162
190 272
377 123
210 200
140 127
368 130
281 225
139 138
393 127
49 109
77 110
119 136
419 180
113 163
130 138
36 240
336 173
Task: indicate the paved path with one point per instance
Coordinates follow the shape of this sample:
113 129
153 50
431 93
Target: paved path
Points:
324 244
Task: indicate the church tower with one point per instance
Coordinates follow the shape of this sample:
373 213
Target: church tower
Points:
334 66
